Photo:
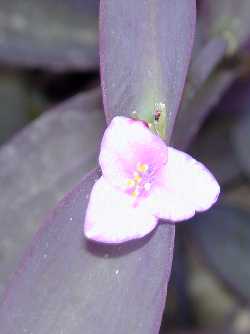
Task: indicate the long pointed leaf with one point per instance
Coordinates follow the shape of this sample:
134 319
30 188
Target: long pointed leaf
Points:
38 166
225 28
145 52
68 285
59 35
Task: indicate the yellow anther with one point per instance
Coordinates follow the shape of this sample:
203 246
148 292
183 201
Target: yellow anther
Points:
135 193
130 183
142 168
137 177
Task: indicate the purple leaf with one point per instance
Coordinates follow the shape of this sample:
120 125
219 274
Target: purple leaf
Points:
50 34
145 52
39 165
201 90
237 101
193 112
223 237
203 64
69 285
205 86
241 141
228 19
221 160
223 27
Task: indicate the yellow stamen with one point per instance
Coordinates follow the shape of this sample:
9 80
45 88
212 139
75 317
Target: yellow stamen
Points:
137 177
135 193
130 183
142 168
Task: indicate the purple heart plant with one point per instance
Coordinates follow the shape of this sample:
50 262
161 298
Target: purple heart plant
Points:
99 264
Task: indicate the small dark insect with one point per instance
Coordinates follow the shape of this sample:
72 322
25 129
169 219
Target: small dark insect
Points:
157 115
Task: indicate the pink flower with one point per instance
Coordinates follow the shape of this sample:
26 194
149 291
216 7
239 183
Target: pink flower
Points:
143 180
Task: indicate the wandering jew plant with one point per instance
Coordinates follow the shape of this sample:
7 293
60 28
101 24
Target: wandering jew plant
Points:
69 283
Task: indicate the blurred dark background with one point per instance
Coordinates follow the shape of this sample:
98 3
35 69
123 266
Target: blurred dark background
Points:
50 92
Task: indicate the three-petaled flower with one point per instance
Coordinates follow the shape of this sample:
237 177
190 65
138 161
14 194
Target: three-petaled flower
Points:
143 181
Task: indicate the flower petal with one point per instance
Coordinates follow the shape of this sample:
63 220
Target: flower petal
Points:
111 217
168 205
190 180
184 187
127 143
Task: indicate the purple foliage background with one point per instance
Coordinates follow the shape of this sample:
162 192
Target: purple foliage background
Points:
65 284
75 279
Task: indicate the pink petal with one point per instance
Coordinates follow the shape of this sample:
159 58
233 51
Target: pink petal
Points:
111 217
168 205
126 143
190 181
